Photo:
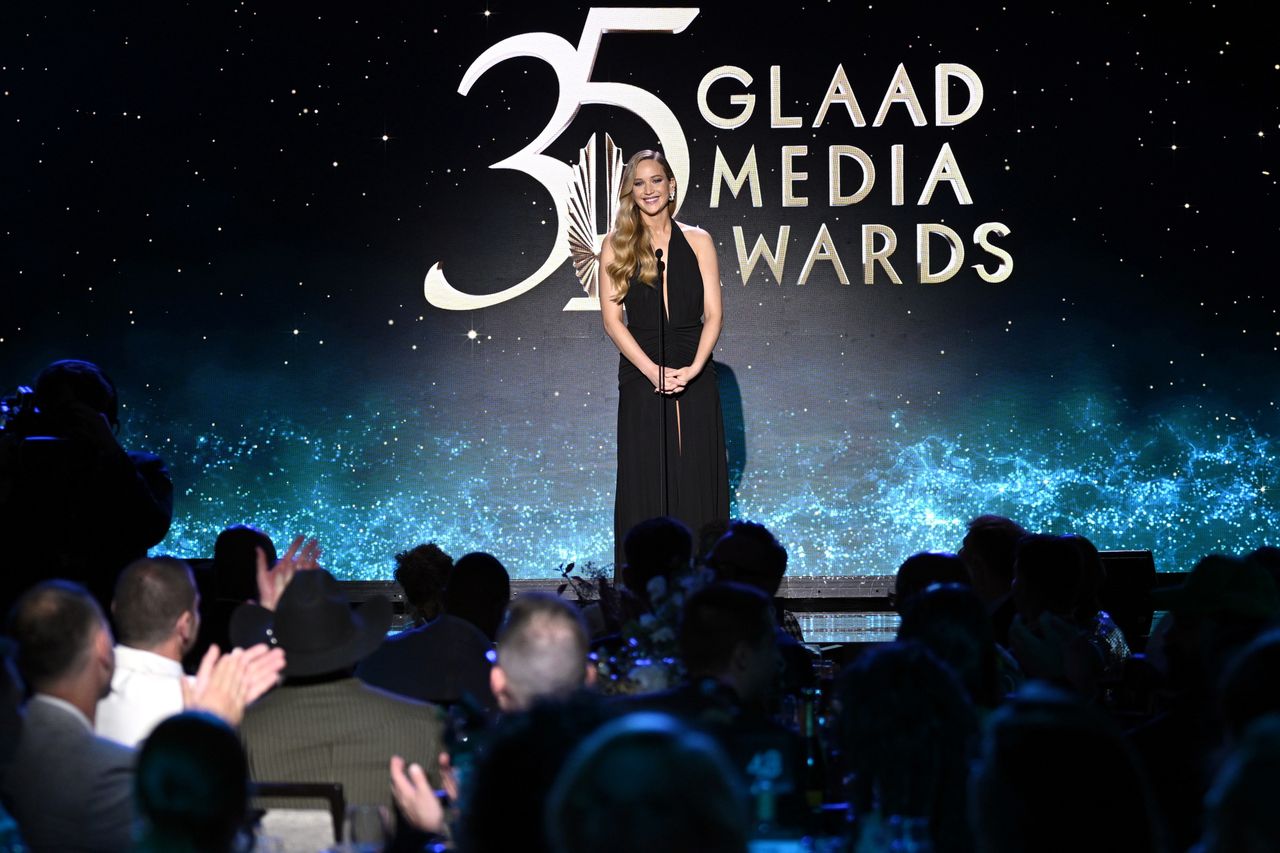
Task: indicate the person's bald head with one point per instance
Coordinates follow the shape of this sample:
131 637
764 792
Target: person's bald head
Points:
542 651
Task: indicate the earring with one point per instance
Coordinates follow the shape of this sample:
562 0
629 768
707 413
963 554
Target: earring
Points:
672 197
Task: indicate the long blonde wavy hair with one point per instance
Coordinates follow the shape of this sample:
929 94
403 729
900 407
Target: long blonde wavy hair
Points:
633 256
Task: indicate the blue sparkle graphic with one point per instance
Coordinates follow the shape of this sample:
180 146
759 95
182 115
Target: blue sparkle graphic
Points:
1181 483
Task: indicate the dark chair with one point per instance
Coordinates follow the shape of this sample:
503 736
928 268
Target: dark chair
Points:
1126 594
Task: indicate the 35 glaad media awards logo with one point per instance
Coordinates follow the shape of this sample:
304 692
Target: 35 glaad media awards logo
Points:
575 192
573 68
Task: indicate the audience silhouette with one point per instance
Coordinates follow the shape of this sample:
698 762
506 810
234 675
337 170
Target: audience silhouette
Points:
647 782
907 732
1056 775
192 786
442 658
229 581
74 504
988 552
924 569
478 591
1241 814
949 620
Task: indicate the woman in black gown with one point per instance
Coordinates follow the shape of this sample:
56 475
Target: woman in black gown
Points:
671 457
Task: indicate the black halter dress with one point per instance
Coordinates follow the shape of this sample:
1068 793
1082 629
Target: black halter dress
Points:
691 482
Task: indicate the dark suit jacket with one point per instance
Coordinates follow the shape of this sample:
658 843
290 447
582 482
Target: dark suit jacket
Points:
68 789
339 731
441 661
1002 619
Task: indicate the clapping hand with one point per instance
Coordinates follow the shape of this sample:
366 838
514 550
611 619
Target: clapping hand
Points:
302 554
416 798
225 684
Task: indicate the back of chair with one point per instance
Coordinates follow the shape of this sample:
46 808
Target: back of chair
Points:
292 818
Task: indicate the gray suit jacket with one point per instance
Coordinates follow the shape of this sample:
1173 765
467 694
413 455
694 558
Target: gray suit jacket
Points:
339 731
67 788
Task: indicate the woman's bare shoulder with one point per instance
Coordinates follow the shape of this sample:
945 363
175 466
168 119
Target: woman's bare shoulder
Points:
695 235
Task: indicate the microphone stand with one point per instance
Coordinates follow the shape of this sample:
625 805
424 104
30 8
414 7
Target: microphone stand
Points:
662 384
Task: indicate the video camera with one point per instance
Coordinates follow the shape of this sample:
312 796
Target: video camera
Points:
18 408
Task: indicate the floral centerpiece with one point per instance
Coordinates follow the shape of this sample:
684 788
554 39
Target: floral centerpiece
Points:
639 653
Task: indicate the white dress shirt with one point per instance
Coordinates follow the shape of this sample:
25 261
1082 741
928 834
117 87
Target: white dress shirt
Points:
145 689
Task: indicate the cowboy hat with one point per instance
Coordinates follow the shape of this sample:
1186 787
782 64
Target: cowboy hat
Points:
315 625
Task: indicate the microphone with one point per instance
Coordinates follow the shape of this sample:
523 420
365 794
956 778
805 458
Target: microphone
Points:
662 380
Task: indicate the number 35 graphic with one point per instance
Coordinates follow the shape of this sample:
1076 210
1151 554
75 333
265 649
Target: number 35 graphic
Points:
573 73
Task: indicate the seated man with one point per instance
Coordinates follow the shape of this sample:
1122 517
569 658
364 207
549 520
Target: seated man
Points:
155 610
905 733
323 724
748 553
442 659
1223 605
68 788
542 652
988 552
1059 633
538 680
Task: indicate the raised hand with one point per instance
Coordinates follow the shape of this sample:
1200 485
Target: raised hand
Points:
303 553
415 797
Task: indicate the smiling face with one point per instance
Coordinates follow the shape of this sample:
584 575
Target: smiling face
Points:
651 187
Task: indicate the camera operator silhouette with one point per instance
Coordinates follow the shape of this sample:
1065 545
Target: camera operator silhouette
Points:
73 502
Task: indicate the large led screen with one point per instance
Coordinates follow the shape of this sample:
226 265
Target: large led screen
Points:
975 258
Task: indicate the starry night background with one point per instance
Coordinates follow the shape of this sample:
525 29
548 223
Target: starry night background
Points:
231 206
